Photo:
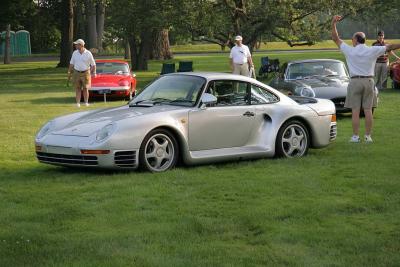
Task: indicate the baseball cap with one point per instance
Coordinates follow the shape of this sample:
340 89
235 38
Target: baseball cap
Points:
238 38
79 41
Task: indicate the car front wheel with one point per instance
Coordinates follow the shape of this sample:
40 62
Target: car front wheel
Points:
159 151
292 140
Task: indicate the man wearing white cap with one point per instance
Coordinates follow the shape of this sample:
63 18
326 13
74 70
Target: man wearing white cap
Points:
81 65
240 58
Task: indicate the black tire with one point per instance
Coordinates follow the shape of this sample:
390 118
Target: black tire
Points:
159 151
293 140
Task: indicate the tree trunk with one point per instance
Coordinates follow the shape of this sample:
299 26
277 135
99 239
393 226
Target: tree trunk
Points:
7 46
79 29
67 32
127 49
91 41
161 48
133 51
101 9
140 50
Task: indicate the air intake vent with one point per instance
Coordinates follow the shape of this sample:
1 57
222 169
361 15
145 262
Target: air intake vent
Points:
66 159
125 159
333 132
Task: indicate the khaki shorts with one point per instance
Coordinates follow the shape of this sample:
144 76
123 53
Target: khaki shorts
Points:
241 69
361 93
81 79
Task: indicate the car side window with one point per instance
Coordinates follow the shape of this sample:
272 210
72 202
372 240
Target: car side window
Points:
229 93
262 96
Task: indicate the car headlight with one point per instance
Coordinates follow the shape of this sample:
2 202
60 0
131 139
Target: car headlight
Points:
306 91
105 132
48 127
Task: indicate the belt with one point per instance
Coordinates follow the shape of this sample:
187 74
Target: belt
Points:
81 71
240 64
361 77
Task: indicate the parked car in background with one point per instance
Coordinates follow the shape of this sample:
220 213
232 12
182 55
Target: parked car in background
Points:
114 79
320 78
395 74
193 117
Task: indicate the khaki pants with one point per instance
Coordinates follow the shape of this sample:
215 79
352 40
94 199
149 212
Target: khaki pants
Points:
360 93
381 71
81 79
241 69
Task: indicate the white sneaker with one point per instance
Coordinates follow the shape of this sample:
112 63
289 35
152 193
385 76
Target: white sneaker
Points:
78 105
354 139
87 104
368 139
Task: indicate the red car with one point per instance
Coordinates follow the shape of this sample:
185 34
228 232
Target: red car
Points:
114 79
395 74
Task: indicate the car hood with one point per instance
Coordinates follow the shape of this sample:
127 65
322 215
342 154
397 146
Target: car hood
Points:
108 79
94 121
326 87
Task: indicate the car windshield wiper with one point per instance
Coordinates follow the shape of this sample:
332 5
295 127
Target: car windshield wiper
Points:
137 103
181 101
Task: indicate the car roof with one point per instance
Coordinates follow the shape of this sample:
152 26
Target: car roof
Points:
314 60
216 76
110 61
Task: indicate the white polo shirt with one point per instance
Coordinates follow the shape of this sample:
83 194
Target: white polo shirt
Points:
82 62
361 59
239 54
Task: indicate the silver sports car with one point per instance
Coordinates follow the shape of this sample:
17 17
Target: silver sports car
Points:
193 117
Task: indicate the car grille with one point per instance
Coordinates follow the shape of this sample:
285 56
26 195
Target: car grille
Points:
67 159
333 132
125 159
339 102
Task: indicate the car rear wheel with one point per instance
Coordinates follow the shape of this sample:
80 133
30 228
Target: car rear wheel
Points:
159 151
292 140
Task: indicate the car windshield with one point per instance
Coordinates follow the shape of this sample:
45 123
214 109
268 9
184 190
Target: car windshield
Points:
112 68
181 90
306 70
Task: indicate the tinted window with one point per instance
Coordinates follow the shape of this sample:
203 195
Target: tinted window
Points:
319 68
229 93
261 96
112 68
173 89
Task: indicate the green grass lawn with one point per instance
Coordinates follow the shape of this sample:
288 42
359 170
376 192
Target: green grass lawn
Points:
339 206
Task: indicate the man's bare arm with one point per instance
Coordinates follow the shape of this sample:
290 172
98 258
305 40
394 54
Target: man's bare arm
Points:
335 35
392 47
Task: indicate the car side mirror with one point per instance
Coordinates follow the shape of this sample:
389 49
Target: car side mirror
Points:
133 74
207 99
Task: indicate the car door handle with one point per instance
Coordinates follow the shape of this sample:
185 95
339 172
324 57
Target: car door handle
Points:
249 114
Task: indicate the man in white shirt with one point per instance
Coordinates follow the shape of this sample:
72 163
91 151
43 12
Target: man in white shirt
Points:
361 89
81 65
240 58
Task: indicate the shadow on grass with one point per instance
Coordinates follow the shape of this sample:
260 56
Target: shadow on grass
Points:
66 100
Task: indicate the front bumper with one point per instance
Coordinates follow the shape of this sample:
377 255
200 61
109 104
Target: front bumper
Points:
118 91
73 157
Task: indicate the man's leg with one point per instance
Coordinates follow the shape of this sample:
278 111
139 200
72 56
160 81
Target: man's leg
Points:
244 70
378 75
78 95
355 120
369 120
236 69
384 75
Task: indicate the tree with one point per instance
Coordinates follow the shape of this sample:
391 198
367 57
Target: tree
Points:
7 56
298 22
67 34
137 21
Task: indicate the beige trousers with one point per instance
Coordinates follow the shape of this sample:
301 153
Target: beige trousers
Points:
241 69
381 71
